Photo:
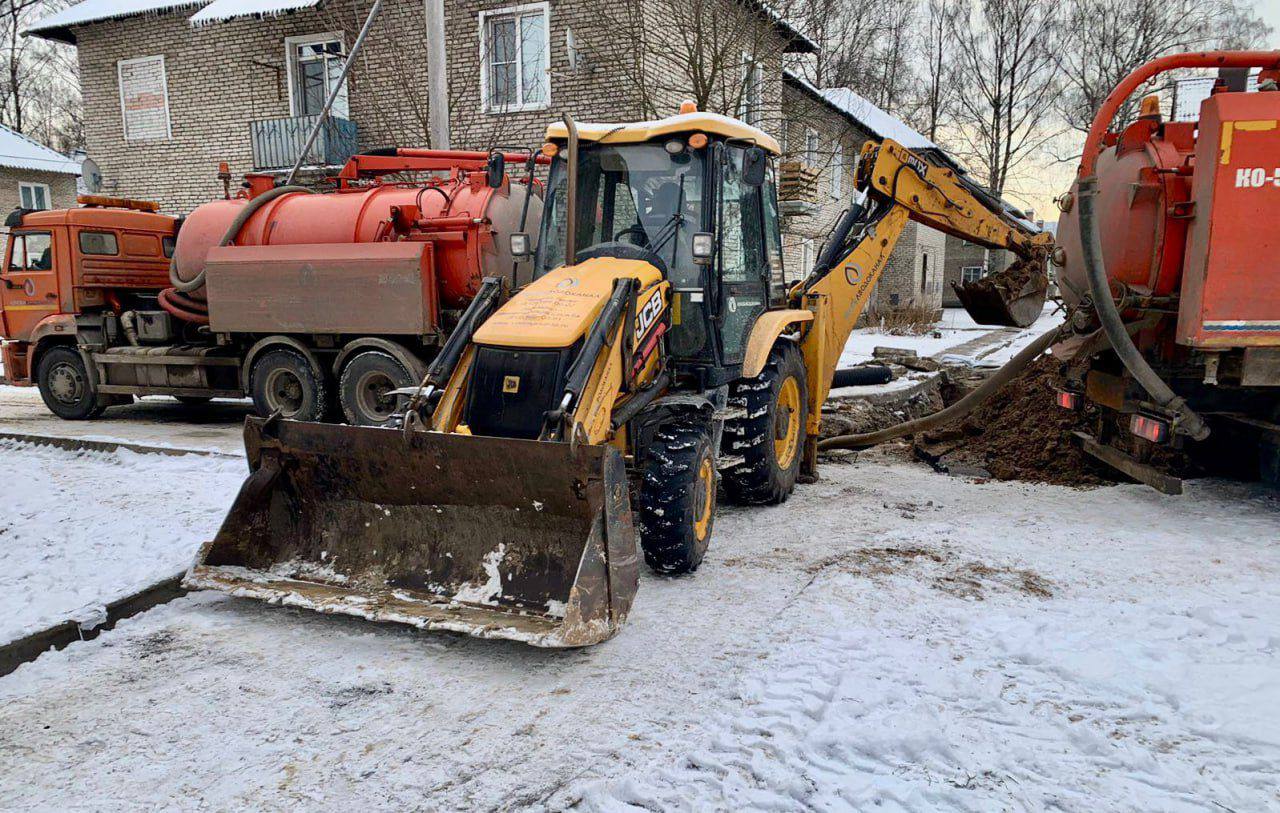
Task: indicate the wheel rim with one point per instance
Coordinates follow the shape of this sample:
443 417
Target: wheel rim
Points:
702 498
372 400
66 384
786 423
284 392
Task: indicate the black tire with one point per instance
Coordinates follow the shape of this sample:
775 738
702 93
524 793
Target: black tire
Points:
675 504
770 434
66 387
283 379
366 377
193 400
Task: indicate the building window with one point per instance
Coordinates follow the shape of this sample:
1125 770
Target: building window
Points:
33 195
752 108
924 272
314 64
515 58
807 258
144 98
837 171
812 148
972 273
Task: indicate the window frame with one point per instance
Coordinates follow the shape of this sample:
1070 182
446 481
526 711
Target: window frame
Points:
812 147
964 269
164 86
34 186
291 66
837 169
115 241
515 12
751 106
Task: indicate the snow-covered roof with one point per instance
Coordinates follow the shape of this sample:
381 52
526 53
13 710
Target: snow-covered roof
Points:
58 26
220 10
19 152
876 120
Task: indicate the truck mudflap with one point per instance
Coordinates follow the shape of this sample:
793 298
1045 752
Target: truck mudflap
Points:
525 540
1013 297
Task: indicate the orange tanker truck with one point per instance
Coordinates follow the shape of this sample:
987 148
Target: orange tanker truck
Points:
316 305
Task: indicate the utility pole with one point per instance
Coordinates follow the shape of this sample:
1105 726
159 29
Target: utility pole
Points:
437 77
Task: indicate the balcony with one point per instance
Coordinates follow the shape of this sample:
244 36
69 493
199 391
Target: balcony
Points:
797 188
277 143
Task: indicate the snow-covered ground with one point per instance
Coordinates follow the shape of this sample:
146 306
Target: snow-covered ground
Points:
890 638
81 529
952 330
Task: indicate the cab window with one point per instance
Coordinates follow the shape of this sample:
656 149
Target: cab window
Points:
99 242
32 251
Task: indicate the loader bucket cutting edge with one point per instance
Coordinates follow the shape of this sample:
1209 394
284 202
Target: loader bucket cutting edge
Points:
526 540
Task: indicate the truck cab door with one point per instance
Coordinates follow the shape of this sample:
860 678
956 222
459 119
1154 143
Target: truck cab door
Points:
28 282
742 261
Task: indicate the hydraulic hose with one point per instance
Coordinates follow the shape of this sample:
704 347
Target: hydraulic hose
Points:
957 410
233 231
1186 420
182 306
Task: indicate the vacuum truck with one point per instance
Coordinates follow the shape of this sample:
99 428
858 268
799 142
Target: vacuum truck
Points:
316 305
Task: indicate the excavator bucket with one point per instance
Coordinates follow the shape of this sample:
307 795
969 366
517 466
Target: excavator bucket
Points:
526 540
1013 297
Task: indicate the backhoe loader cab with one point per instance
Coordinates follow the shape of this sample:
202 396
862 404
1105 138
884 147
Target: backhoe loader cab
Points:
681 197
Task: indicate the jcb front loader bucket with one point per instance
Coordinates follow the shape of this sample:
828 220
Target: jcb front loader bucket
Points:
527 540
1013 297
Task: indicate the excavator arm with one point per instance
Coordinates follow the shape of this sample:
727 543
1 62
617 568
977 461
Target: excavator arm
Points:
895 186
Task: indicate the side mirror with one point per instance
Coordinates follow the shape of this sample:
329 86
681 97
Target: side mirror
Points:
754 162
520 245
496 171
704 245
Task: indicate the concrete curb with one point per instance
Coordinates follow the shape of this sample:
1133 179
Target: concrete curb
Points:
61 635
79 444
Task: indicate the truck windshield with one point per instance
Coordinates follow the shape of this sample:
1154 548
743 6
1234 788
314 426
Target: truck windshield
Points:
637 194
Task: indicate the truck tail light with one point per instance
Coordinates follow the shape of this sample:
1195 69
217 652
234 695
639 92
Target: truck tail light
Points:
1148 428
1067 400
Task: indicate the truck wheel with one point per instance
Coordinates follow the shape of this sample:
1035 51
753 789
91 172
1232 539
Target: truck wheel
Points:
366 380
283 380
676 503
65 385
770 434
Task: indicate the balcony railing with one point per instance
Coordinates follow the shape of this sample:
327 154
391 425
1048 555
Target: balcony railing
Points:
277 143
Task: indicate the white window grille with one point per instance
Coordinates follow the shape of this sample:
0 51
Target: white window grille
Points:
972 273
515 58
33 195
314 63
144 98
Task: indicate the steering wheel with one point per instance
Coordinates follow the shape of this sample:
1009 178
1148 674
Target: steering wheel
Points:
635 234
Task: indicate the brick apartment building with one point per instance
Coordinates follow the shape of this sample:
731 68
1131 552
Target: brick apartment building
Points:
173 87
32 176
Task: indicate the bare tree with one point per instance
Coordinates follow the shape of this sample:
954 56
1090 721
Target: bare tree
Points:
39 93
938 84
1104 40
1004 55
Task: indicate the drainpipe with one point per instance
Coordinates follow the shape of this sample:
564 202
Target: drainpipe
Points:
437 77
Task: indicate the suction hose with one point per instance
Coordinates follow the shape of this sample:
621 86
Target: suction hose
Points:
233 231
1186 421
957 410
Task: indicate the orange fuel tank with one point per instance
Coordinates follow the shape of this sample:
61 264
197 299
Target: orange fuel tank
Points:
467 220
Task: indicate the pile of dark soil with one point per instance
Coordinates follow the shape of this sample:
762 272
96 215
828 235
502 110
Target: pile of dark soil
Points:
1019 434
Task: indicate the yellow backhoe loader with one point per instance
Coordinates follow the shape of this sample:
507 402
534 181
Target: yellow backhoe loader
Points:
656 357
